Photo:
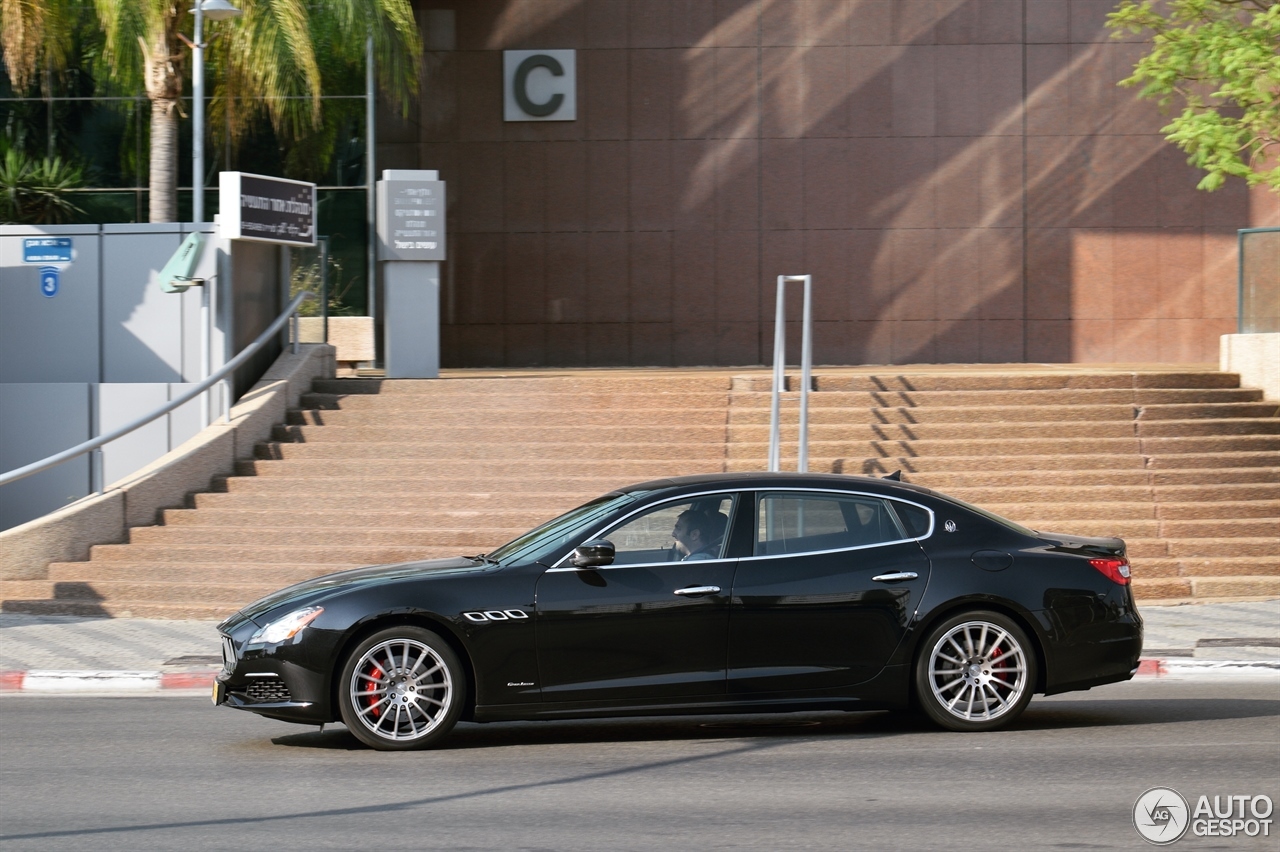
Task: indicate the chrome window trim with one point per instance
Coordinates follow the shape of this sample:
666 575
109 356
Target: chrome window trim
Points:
559 567
731 493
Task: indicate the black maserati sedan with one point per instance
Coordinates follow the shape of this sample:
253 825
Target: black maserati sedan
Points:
721 593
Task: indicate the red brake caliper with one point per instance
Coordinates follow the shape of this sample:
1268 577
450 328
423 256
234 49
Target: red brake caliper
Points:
372 697
1000 676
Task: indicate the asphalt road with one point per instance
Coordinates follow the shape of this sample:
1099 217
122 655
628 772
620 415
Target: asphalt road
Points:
175 773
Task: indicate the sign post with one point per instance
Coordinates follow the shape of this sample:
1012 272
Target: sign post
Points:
411 244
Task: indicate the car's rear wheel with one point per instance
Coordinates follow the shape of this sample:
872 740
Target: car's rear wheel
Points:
975 672
402 688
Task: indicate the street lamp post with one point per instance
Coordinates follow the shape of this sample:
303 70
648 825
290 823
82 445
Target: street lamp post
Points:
214 10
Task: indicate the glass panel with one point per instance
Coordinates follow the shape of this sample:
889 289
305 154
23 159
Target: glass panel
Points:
802 524
674 532
1260 281
540 542
915 519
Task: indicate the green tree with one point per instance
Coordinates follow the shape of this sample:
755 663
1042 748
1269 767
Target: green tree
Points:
1218 61
265 63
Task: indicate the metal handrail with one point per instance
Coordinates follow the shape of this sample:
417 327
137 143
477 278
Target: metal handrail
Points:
779 374
95 443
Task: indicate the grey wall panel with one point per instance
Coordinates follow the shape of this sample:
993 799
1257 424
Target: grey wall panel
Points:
141 324
184 421
412 324
49 339
120 403
207 268
37 421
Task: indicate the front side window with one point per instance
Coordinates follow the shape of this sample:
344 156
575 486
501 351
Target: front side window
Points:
795 523
683 531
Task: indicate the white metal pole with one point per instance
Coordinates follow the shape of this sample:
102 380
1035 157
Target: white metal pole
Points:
779 368
197 119
371 223
806 370
204 351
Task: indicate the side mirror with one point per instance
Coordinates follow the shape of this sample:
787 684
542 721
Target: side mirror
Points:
593 553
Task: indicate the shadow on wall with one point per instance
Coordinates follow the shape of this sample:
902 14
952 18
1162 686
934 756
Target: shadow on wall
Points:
964 186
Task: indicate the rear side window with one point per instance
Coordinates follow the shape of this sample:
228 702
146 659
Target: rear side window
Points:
795 523
914 518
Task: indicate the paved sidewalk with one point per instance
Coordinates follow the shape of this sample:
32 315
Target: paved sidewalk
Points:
65 653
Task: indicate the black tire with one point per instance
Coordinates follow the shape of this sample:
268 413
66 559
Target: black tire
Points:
401 688
976 671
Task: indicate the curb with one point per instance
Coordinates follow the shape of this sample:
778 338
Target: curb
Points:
104 681
1154 667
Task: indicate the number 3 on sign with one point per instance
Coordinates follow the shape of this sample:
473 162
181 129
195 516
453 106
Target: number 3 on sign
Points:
49 281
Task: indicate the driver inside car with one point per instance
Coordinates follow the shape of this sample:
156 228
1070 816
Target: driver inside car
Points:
698 534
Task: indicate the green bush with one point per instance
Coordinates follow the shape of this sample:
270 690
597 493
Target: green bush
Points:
36 192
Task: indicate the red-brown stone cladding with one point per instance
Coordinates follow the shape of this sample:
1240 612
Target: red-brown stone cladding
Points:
965 183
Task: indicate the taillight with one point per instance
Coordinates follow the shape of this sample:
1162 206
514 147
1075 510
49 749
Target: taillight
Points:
1116 570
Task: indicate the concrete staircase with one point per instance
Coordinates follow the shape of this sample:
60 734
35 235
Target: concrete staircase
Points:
372 471
1185 466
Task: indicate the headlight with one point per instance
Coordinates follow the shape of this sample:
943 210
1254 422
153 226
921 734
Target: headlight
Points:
287 627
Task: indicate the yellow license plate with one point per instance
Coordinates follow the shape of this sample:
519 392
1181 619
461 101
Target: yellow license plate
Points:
218 696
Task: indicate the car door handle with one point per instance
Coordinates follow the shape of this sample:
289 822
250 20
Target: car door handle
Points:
896 577
698 591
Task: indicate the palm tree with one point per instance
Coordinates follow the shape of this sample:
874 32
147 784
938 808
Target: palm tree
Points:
267 57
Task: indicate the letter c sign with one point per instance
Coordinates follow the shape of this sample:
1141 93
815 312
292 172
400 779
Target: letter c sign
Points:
539 85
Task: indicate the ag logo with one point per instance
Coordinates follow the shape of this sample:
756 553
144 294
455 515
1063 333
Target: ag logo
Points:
1161 816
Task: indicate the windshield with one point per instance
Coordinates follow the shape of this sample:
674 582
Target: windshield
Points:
537 543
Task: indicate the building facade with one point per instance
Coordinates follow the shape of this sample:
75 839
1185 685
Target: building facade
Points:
963 179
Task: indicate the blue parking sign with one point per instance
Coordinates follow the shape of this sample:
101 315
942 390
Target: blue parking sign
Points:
49 281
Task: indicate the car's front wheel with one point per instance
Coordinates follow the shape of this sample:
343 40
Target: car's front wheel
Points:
401 688
975 672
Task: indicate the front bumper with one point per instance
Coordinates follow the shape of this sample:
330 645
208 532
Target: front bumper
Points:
276 681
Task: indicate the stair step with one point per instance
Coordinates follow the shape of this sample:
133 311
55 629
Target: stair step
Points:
94 573
621 471
20 589
462 450
233 595
1204 566
1091 493
1214 410
1214 460
519 489
1207 426
460 418
943 398
1265 547
868 431
301 535
434 435
1025 513
343 518
1029 465
1198 511
428 507
262 553
971 379
1222 528
951 482
507 385
120 609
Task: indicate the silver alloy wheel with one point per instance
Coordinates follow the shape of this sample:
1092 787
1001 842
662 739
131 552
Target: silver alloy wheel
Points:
977 671
401 689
